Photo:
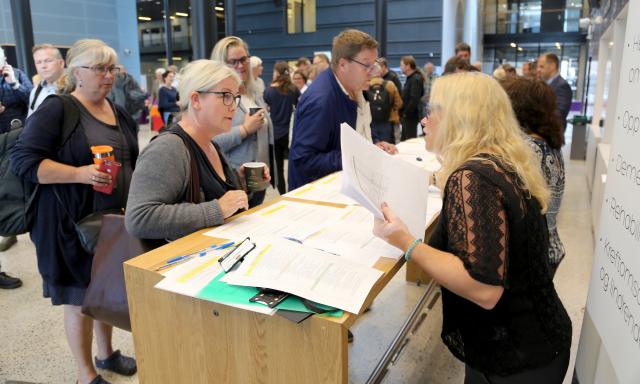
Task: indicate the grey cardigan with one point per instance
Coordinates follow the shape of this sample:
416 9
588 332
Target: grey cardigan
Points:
159 181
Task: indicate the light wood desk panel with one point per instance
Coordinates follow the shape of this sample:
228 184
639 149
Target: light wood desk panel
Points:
180 339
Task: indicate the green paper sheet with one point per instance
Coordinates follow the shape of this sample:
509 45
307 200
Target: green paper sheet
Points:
222 292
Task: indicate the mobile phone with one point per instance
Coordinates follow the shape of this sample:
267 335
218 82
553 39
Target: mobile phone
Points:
254 110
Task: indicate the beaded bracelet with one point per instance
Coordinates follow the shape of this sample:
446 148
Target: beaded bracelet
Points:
414 243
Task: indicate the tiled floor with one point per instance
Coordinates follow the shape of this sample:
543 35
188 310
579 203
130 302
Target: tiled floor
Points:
34 347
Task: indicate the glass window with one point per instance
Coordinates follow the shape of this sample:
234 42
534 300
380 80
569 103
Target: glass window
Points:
529 14
490 16
301 16
572 14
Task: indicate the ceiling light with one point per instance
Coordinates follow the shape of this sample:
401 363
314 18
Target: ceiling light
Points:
513 45
611 43
144 18
520 49
182 14
220 9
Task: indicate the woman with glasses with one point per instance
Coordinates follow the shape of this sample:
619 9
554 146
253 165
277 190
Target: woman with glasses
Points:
159 203
251 135
501 314
63 165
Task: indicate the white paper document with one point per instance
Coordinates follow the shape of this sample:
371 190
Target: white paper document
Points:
327 189
284 219
351 236
191 277
309 273
372 176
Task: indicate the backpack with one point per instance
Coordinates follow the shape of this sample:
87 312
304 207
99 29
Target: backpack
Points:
18 196
379 102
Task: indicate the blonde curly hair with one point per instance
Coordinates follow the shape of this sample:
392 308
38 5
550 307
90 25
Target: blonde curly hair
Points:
476 117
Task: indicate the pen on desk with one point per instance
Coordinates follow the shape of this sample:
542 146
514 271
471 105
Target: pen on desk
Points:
174 261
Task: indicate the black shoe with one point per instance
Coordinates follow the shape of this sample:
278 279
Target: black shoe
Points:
118 363
99 380
8 282
7 242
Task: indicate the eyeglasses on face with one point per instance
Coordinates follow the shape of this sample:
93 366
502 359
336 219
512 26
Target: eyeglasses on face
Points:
101 69
234 62
367 67
228 98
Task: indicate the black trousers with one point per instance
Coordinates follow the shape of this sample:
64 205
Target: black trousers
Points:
409 127
281 149
552 373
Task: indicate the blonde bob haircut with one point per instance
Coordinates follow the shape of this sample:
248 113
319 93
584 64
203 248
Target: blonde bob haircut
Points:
476 117
85 53
220 53
202 75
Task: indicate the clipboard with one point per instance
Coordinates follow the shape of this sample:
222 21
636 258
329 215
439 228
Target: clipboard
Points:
236 255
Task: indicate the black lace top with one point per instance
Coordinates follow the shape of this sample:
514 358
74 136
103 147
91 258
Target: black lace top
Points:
501 237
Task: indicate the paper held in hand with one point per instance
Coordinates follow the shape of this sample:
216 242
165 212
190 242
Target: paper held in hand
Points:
372 176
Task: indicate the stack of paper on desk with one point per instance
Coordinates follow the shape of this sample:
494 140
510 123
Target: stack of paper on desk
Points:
315 275
351 237
284 219
372 176
200 278
327 189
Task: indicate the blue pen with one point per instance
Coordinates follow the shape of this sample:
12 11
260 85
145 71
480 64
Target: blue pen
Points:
216 248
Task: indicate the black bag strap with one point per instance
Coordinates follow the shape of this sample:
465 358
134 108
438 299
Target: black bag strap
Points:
193 188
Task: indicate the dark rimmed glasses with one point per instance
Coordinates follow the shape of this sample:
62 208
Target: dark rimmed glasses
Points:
228 98
101 70
234 62
367 67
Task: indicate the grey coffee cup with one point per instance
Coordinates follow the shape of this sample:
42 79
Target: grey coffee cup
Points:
253 174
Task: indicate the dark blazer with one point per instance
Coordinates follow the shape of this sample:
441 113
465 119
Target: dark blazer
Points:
61 259
563 98
315 146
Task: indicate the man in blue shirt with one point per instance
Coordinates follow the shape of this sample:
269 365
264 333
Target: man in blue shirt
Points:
335 97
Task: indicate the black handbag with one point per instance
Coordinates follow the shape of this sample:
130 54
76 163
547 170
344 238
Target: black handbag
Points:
88 228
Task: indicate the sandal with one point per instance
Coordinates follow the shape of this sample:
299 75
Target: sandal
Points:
118 363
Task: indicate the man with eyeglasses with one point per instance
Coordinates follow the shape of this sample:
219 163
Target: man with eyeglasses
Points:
50 66
335 97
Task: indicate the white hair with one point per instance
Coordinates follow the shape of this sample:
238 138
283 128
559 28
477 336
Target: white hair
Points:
202 75
254 61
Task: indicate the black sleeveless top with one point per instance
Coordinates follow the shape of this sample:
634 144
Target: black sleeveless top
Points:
498 232
211 184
